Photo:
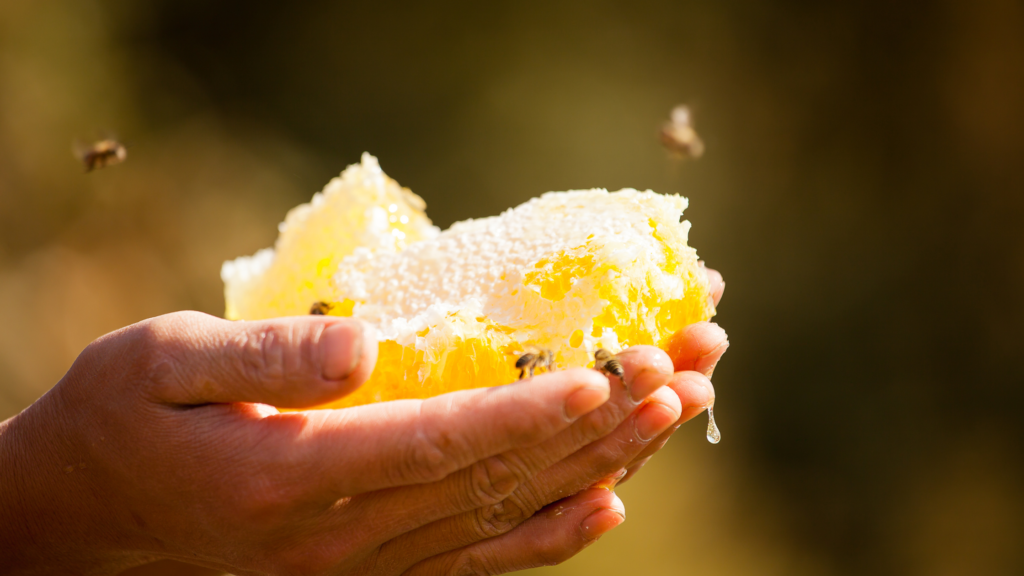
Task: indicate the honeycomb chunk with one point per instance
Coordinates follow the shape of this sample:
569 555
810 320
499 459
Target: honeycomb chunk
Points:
568 271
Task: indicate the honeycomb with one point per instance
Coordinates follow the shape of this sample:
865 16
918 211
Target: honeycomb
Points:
567 271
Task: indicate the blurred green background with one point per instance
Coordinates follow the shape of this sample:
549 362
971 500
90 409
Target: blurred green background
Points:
862 192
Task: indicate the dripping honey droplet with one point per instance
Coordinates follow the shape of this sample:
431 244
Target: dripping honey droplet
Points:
714 436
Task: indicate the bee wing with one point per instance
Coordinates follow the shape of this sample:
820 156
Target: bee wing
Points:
549 360
681 115
524 360
109 136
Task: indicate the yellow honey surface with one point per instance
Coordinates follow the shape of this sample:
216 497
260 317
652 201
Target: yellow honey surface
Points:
570 271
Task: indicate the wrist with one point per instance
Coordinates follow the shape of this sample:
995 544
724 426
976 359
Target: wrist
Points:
50 517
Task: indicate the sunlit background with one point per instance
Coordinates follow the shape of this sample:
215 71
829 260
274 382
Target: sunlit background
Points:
862 192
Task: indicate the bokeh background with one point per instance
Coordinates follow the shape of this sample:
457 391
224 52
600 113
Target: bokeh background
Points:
862 192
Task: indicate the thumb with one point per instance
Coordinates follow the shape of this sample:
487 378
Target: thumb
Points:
293 362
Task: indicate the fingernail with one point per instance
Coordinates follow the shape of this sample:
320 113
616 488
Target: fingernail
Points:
602 521
586 400
645 383
341 348
703 396
653 419
724 346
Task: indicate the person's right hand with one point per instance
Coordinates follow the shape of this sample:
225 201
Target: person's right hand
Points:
695 351
160 443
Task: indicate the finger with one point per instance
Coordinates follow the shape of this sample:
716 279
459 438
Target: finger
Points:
698 347
716 285
645 369
633 469
606 458
411 442
194 358
491 480
695 394
577 472
611 481
557 533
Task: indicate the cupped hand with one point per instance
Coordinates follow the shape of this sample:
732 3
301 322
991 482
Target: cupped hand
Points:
160 442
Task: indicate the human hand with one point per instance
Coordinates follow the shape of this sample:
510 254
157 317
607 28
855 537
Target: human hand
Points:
614 459
695 351
160 443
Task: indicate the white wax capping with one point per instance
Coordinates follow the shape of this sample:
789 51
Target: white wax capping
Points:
477 268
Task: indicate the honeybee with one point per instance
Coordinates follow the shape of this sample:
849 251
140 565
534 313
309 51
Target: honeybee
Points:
606 362
321 308
531 360
679 137
102 154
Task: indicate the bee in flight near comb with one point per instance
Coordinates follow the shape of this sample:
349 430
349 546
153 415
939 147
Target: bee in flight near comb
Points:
679 137
101 154
605 361
542 357
321 308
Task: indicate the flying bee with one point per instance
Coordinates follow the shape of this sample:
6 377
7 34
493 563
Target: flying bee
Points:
679 137
606 362
532 360
320 308
102 154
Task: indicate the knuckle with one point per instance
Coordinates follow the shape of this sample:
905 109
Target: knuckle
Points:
497 519
427 461
597 424
275 355
492 480
162 373
162 330
432 449
262 353
156 349
152 357
160 352
153 336
169 323
526 501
